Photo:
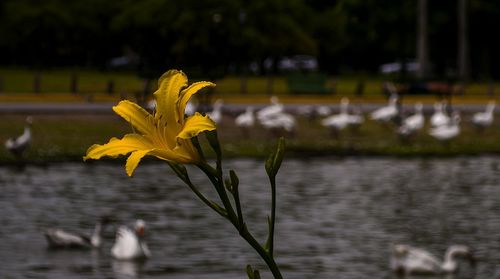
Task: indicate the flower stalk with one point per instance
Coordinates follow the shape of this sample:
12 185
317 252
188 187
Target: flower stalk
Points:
170 135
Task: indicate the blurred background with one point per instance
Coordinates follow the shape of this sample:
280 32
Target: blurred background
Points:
215 39
388 109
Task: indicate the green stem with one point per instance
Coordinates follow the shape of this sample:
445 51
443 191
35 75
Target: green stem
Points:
219 187
236 196
273 214
211 204
238 223
268 258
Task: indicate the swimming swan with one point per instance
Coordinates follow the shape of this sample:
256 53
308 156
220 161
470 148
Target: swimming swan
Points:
129 244
410 260
58 238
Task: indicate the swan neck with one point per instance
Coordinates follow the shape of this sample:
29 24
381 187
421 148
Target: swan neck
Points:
490 109
27 129
344 108
96 236
449 263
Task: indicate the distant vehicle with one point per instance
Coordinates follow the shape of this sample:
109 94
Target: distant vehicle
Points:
123 62
396 67
298 62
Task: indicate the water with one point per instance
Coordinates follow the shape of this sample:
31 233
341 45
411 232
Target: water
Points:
337 218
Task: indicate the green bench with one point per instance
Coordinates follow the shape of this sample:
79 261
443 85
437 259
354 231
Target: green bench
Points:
308 84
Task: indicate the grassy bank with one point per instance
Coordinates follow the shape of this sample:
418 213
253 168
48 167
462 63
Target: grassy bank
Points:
66 138
55 84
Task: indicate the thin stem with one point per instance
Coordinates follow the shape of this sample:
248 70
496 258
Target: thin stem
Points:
272 179
211 204
219 187
236 221
262 252
236 196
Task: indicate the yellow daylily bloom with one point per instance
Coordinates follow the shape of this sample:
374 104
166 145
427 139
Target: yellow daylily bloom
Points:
167 133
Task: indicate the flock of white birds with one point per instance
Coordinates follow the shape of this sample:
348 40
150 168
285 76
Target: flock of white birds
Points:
443 126
273 117
129 243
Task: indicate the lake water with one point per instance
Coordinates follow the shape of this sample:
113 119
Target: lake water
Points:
337 218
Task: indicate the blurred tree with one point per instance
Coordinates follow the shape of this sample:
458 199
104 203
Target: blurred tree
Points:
358 35
484 16
210 38
56 32
422 40
282 28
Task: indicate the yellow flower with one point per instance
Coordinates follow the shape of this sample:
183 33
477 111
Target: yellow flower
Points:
166 134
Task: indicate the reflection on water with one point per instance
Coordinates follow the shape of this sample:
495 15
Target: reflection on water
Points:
126 269
337 218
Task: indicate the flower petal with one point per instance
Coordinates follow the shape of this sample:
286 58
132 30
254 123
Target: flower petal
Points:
170 85
138 117
190 91
196 124
115 147
134 159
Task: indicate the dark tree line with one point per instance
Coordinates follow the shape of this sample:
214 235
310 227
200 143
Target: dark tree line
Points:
217 36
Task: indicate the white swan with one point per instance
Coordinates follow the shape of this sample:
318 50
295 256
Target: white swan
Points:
58 238
216 113
129 244
410 260
272 110
484 119
308 111
245 119
341 120
18 145
279 121
447 131
413 122
388 112
323 110
439 118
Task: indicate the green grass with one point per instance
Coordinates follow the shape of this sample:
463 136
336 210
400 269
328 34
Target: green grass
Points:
58 138
57 81
66 138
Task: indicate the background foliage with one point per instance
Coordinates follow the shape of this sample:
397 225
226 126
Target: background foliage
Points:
219 36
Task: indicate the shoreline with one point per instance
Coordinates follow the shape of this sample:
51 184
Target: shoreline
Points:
293 156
